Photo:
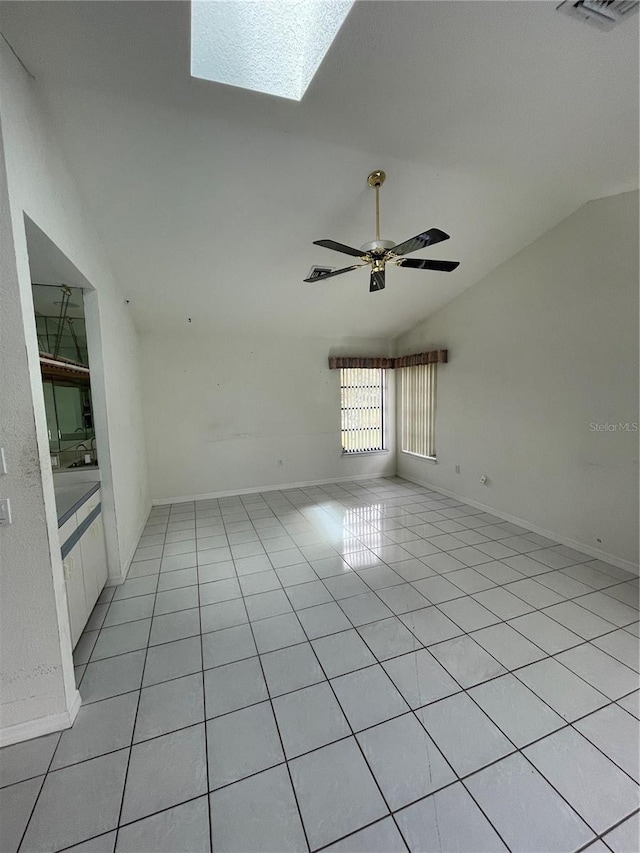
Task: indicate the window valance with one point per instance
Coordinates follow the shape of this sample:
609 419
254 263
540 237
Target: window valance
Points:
436 356
374 363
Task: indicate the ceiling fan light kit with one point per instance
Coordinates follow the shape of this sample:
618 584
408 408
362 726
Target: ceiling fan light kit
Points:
378 253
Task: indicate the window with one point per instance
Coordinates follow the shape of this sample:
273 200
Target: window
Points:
419 410
362 404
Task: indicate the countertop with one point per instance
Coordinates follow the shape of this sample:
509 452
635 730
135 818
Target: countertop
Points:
71 496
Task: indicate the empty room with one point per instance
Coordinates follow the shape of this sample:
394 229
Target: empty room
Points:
319 426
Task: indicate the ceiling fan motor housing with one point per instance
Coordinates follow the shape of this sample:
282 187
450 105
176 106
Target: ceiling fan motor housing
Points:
377 247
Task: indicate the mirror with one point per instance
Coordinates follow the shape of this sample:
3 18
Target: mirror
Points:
62 342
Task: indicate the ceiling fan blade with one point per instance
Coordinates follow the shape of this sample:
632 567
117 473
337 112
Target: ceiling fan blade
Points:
376 282
333 272
340 247
427 238
424 264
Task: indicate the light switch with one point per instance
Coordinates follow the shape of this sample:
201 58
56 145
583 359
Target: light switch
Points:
5 512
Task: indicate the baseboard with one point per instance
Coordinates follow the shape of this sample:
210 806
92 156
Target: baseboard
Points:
41 726
257 490
111 581
597 553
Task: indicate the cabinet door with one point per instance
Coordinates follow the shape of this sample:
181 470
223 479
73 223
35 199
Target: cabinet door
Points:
94 559
76 598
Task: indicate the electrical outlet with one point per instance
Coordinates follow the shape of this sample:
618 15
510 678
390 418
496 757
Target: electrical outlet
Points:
483 480
457 469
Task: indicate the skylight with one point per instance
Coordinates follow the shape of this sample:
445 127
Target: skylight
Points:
270 46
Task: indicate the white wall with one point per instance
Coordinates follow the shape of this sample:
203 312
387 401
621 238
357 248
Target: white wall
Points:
226 414
540 349
37 676
41 186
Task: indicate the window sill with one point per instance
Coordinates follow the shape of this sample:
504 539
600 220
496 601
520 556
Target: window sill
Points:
430 459
362 453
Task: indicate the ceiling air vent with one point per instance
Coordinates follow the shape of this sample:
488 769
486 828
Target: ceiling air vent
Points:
604 14
317 272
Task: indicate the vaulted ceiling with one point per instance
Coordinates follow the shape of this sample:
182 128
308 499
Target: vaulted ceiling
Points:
493 121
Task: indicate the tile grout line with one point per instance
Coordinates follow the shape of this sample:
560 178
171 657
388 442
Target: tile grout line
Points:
204 709
132 823
405 713
615 628
466 633
567 724
519 749
135 719
275 719
501 620
546 655
609 830
478 568
35 802
353 735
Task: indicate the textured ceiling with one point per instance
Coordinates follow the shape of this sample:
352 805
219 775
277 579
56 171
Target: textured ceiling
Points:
493 122
264 45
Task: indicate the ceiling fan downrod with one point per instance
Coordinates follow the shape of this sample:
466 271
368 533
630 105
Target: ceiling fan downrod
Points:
376 180
378 246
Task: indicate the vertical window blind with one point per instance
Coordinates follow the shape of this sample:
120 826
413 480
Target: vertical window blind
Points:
362 407
418 392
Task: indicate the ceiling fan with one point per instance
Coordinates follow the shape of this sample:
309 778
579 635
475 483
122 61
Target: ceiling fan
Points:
378 253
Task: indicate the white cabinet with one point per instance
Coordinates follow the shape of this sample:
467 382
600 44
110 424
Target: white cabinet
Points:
85 563
76 597
94 562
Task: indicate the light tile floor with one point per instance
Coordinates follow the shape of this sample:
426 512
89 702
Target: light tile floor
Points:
363 667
